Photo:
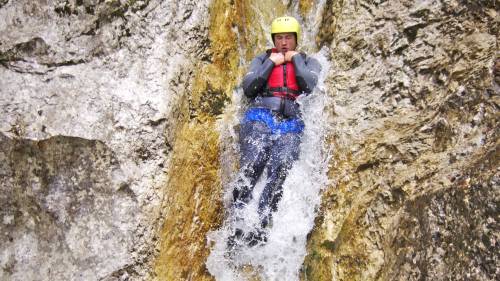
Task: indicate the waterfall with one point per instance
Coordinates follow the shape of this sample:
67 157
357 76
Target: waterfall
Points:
282 256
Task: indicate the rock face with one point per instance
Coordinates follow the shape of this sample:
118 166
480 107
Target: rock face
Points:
91 94
62 216
416 188
110 125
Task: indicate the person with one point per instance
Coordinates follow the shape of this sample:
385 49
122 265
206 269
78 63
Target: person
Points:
272 127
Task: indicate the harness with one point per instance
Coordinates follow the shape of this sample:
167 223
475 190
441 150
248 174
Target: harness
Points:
276 124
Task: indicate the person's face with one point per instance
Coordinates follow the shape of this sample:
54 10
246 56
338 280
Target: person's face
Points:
285 42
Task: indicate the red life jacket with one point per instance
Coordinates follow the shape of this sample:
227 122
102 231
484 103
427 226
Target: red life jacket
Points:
282 82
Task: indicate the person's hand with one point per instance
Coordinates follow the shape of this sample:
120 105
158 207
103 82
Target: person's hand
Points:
289 55
277 58
300 99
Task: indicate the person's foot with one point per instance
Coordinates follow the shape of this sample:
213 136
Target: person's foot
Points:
266 222
255 237
233 239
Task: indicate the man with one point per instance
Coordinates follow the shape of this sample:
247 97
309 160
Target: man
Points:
272 127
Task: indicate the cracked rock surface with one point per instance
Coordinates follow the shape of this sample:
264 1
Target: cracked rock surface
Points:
415 171
88 92
110 156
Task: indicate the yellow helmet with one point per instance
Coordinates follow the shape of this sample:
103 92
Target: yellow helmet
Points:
284 25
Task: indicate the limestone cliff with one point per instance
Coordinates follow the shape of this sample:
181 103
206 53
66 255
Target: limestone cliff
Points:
416 100
92 96
111 160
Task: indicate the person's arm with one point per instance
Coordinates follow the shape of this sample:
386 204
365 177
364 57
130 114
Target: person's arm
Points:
256 78
306 72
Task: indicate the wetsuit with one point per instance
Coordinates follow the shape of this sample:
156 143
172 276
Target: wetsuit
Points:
272 127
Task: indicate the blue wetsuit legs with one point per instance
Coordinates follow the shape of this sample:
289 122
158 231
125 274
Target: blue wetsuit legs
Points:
254 152
262 150
283 153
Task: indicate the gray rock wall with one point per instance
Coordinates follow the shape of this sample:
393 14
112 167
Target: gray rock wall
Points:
90 94
63 217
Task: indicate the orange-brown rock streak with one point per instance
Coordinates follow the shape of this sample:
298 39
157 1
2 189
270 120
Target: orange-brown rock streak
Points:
193 204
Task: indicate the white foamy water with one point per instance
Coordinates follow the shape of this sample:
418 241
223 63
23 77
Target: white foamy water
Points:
281 258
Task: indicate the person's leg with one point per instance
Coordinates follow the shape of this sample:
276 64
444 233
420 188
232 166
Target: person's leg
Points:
254 153
283 153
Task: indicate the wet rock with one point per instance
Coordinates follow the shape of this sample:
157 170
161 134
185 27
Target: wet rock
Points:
412 201
91 94
110 161
62 207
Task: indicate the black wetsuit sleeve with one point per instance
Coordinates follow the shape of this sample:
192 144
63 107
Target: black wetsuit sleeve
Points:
256 78
307 70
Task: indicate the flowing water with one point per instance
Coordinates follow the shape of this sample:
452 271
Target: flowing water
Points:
282 256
